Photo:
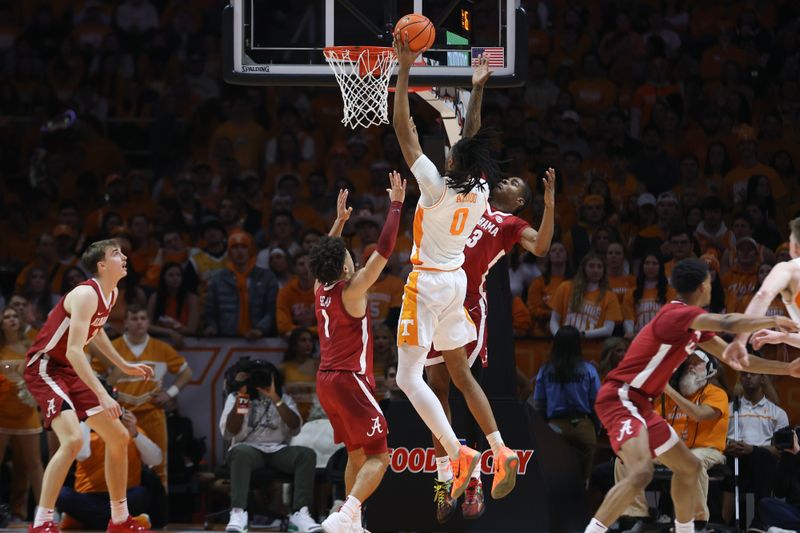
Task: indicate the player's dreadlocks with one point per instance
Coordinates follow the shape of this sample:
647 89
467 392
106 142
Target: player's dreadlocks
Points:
327 259
472 160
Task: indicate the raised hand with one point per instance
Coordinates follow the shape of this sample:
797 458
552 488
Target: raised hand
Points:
549 188
481 73
397 193
342 211
405 56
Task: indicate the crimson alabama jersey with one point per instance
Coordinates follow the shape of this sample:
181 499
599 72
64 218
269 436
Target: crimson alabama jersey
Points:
52 338
493 237
345 342
662 345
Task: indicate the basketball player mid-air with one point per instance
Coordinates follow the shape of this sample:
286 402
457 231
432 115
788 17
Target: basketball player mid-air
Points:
432 312
60 378
624 402
496 233
345 382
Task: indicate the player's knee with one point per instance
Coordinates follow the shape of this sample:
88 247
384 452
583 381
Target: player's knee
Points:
71 444
461 376
407 380
641 476
690 468
117 436
439 382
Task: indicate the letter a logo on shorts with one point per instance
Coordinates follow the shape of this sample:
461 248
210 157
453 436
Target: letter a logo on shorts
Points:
626 429
376 426
51 407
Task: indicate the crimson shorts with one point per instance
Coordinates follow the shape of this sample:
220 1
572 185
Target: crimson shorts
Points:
355 415
52 384
625 411
476 348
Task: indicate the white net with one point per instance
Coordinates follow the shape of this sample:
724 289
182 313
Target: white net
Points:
363 75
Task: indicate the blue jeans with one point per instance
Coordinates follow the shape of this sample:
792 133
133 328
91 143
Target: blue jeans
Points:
93 509
774 512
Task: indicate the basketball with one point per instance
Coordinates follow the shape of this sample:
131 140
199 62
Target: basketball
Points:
420 31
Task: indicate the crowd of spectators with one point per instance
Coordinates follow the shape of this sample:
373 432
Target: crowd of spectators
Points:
673 127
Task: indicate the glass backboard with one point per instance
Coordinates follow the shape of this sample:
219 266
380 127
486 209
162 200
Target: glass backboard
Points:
267 42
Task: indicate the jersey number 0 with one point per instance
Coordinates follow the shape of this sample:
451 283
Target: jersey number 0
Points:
459 221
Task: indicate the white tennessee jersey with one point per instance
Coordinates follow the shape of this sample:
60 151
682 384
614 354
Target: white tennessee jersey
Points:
442 230
792 305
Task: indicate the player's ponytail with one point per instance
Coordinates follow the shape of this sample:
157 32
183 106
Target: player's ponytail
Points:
473 161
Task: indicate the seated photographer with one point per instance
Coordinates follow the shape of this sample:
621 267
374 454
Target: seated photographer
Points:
773 512
260 419
759 419
697 410
85 505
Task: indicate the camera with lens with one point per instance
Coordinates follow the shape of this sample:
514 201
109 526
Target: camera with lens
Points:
783 438
260 374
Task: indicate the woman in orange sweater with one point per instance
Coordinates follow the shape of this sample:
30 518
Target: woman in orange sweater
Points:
557 268
652 291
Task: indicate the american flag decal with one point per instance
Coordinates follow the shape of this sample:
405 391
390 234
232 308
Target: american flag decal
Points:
496 56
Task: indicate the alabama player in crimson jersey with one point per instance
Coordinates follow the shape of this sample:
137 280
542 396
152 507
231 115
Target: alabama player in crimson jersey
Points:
60 378
624 402
496 232
345 382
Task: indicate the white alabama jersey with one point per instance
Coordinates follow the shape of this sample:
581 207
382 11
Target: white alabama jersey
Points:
791 305
442 230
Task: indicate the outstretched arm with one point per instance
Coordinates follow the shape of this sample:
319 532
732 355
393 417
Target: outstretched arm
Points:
401 118
342 214
364 279
479 77
103 343
741 323
538 243
754 364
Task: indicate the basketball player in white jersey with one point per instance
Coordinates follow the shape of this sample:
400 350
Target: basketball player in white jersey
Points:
433 310
783 279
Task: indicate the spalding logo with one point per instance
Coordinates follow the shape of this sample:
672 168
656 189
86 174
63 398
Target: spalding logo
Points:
423 460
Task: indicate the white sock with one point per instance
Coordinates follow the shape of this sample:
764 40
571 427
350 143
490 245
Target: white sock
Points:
495 441
119 511
42 515
410 364
444 471
595 526
684 528
352 508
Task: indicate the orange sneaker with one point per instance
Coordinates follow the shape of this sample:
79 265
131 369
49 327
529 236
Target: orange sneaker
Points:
467 460
131 525
506 464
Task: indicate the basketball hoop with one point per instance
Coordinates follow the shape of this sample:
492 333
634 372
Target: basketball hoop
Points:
363 74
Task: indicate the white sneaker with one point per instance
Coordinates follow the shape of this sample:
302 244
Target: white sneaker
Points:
337 522
302 522
337 505
237 522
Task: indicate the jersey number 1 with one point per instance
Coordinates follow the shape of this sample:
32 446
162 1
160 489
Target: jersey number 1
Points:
459 221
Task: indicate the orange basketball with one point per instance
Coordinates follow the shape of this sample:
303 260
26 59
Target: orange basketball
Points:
420 31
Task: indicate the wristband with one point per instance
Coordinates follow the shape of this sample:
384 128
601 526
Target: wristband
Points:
173 391
279 403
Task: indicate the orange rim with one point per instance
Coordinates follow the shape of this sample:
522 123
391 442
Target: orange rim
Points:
368 64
